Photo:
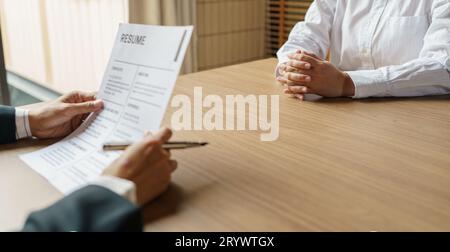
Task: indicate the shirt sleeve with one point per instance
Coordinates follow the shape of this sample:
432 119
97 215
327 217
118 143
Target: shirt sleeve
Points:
427 75
312 35
22 124
122 187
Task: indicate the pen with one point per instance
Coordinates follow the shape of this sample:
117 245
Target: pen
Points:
167 146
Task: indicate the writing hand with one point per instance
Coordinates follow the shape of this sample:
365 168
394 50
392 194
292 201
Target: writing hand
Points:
146 164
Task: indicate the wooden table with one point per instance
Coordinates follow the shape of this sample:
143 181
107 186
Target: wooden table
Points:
339 165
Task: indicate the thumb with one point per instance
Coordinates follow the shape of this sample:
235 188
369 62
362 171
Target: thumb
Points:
163 135
75 109
309 54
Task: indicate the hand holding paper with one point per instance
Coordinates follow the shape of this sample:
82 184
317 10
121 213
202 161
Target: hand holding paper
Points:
136 89
61 117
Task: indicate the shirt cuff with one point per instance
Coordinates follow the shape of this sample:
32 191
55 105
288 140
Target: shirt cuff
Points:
277 70
368 83
122 187
22 124
281 60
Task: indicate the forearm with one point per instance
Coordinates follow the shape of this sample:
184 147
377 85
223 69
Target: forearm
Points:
298 41
13 124
420 77
122 187
91 209
313 34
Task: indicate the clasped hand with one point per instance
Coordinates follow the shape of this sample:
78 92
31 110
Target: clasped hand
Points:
305 73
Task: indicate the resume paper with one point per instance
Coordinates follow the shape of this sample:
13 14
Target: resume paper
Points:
136 88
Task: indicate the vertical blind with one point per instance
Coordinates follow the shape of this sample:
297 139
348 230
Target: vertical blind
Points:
229 32
281 16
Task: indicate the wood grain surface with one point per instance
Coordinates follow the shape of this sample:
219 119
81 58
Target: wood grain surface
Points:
339 165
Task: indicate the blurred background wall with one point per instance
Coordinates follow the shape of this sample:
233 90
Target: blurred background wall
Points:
64 45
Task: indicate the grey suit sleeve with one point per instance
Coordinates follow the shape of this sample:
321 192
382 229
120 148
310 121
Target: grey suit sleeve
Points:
91 209
7 125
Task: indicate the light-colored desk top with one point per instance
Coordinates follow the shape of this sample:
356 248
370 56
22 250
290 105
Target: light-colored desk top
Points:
339 165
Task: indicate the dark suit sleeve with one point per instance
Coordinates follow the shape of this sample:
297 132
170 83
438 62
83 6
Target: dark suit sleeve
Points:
7 125
91 209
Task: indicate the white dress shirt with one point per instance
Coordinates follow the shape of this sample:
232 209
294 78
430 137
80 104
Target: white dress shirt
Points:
388 47
122 187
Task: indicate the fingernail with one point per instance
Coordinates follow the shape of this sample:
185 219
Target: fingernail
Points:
308 66
98 103
308 79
